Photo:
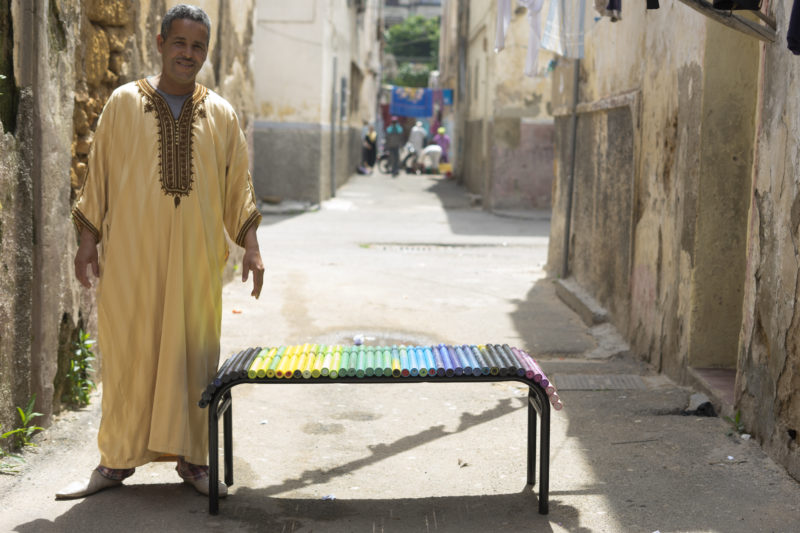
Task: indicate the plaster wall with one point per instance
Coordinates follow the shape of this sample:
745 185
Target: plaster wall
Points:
769 352
305 105
655 78
713 269
510 162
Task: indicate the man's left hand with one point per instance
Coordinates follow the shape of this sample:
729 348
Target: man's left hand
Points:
252 262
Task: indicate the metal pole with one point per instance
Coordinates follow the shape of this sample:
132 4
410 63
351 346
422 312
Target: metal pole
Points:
571 176
333 131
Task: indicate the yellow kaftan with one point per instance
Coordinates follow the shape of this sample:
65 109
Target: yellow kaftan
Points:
158 196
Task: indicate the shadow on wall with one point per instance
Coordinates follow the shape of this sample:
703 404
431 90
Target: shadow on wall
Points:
466 219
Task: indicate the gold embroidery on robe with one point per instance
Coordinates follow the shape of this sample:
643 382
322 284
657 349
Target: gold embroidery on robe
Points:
174 138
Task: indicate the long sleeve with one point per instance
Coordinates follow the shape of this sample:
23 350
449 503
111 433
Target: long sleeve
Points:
90 209
240 210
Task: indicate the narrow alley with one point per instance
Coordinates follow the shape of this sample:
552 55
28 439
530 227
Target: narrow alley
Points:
410 260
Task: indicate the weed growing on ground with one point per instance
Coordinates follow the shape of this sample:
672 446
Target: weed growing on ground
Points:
19 437
736 423
79 383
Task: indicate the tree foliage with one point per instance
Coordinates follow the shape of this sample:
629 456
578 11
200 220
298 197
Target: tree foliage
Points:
415 45
412 75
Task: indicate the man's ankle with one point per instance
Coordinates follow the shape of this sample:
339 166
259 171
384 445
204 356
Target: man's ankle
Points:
117 474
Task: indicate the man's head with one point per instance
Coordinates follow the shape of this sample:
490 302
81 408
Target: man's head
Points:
183 45
185 12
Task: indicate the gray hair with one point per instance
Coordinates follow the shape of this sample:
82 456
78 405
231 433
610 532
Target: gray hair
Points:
184 11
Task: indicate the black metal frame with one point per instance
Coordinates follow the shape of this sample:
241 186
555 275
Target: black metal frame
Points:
221 404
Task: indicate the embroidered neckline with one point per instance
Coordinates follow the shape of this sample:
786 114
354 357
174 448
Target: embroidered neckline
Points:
174 137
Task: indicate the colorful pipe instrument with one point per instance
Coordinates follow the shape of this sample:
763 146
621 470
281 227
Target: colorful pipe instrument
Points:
316 361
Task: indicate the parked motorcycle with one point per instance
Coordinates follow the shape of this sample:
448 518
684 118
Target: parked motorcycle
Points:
408 160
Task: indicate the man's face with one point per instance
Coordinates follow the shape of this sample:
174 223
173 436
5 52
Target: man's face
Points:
183 53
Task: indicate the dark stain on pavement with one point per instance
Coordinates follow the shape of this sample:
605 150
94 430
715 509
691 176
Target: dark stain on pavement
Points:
318 428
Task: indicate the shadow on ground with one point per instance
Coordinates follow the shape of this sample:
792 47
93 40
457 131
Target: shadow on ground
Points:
171 509
465 219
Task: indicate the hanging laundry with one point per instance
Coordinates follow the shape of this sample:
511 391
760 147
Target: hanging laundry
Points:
609 8
734 5
614 9
503 20
793 35
567 22
535 36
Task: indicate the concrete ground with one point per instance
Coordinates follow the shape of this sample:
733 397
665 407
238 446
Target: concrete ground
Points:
409 260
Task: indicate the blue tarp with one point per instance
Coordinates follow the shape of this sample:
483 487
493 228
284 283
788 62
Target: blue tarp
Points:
411 102
447 96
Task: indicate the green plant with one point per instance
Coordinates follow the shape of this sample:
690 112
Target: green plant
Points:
736 422
21 436
79 382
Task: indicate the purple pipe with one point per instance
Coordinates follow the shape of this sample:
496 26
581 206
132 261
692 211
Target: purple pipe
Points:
462 365
449 367
537 372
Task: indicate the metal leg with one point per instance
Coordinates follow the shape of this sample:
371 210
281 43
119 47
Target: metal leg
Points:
531 437
213 456
227 436
544 459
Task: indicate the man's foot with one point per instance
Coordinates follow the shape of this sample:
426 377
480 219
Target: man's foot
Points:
81 489
197 476
201 486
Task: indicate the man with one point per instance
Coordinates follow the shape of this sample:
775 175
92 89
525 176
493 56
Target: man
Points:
394 140
417 136
168 175
442 139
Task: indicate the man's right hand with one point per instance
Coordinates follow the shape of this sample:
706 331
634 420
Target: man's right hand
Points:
85 256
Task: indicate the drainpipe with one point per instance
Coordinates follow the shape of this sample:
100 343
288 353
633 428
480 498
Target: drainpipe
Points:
573 129
333 130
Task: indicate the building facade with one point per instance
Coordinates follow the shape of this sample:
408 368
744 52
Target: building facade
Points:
678 207
317 73
501 129
396 11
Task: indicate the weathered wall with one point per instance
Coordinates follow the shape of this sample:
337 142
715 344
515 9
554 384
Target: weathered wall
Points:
769 347
474 165
708 119
507 156
600 248
655 78
316 76
94 46
522 164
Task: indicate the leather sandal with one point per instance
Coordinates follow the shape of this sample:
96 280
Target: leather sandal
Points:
201 486
81 489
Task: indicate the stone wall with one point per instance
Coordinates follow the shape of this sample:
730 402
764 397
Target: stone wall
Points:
62 59
685 162
769 345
